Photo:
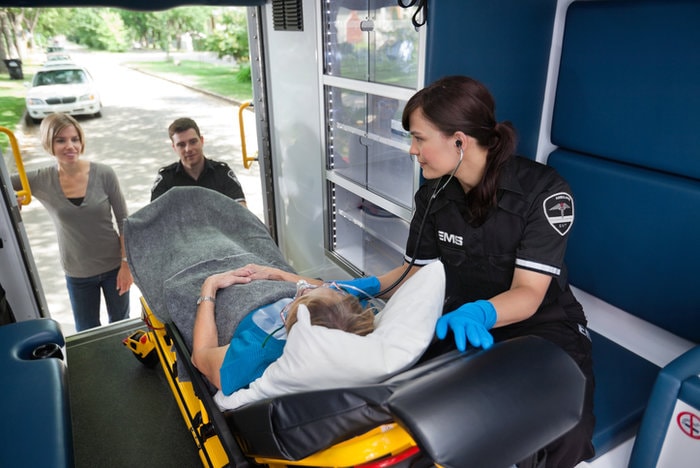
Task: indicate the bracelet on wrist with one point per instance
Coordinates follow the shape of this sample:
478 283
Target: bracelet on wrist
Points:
201 299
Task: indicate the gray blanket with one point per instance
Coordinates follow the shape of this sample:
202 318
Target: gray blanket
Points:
189 233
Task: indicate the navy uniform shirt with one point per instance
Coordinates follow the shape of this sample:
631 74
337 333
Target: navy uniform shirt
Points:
215 176
527 229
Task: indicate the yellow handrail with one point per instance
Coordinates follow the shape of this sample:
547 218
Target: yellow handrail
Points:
24 196
247 161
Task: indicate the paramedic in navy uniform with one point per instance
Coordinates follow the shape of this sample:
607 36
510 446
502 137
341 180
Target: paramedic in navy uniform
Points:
193 168
499 223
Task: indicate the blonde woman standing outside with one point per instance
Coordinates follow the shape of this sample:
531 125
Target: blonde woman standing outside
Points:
84 200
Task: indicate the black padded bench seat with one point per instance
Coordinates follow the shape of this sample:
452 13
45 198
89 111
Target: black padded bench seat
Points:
453 406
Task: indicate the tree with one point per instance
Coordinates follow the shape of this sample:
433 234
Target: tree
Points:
165 28
50 22
23 28
230 36
142 27
13 33
98 28
113 29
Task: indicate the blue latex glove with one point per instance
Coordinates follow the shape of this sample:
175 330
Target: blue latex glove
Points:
472 321
366 287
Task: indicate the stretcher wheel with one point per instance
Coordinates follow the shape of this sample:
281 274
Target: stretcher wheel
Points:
142 347
149 360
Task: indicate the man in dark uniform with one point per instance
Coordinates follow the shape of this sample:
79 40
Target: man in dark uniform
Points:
193 168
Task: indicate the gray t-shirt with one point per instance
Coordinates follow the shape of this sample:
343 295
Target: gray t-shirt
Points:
87 238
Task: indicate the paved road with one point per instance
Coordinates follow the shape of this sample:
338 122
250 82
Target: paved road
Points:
132 138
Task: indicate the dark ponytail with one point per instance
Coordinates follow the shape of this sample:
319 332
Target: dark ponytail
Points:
483 197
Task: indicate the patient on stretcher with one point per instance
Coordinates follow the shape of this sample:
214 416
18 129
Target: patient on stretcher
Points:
188 236
260 336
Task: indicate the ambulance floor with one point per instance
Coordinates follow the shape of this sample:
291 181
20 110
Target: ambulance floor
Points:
123 413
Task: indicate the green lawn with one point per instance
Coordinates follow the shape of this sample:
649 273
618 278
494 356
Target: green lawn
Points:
220 79
11 107
12 99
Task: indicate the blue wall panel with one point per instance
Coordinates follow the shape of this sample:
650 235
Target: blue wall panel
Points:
629 83
504 44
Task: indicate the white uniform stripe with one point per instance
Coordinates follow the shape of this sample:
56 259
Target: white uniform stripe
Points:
538 266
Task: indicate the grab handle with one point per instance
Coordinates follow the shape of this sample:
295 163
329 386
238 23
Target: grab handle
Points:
247 161
24 196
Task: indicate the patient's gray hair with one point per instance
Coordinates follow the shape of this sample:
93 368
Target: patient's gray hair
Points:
341 312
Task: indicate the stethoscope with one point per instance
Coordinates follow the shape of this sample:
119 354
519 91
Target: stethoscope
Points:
438 188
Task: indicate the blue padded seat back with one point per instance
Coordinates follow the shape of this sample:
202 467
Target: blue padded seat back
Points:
625 119
629 83
678 380
690 392
635 242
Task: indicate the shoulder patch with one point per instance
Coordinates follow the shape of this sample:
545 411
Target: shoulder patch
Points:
219 163
169 167
159 178
559 211
232 176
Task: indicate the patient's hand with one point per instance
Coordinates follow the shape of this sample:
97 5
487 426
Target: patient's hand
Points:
263 272
223 280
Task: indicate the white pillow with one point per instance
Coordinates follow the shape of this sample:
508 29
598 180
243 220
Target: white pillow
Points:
316 357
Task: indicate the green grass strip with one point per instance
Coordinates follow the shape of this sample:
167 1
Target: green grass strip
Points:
227 81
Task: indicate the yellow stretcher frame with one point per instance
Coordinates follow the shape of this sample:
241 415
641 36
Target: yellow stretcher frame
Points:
24 196
386 441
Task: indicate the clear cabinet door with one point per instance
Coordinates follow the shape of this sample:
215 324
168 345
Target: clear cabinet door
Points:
371 41
367 144
371 62
365 235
